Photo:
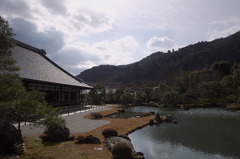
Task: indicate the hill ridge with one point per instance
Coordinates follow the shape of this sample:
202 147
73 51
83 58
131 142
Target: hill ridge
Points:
161 66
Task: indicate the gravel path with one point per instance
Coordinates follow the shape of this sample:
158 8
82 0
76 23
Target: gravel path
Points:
75 122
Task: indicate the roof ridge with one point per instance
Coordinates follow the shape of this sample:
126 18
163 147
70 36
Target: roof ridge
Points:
31 48
42 53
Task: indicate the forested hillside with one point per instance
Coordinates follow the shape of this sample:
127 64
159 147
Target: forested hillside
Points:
167 66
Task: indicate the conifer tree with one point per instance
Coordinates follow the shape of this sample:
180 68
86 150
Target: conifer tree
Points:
17 104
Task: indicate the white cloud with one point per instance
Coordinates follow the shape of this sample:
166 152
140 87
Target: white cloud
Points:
54 6
160 44
215 34
82 55
80 33
127 43
223 28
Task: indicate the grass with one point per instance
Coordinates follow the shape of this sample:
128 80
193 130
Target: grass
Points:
69 150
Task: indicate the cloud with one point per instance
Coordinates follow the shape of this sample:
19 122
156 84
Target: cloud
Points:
89 21
128 43
160 44
50 40
79 56
15 8
55 6
223 28
223 33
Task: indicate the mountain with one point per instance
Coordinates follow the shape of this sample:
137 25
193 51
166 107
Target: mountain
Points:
161 66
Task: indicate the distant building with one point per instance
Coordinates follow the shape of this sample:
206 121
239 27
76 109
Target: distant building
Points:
38 72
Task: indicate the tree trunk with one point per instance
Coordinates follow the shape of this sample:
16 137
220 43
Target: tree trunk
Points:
19 122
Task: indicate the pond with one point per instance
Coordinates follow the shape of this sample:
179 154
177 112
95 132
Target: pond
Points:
201 133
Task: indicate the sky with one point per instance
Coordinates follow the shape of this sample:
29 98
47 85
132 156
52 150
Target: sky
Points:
81 34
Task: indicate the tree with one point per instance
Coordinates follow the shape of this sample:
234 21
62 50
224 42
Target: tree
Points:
221 67
170 98
141 97
127 97
97 95
17 104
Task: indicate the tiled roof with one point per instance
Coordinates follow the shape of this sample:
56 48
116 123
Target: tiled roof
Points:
35 65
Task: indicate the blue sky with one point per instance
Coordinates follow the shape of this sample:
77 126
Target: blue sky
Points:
80 34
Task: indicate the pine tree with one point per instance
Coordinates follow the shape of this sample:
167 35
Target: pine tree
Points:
17 104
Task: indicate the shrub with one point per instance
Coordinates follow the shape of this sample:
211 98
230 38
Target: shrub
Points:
122 150
56 134
96 115
108 132
146 114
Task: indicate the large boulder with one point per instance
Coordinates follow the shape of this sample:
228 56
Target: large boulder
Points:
111 141
10 139
122 148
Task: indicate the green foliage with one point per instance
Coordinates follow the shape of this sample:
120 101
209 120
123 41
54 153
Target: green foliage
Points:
141 97
17 104
167 66
109 132
216 85
122 150
127 97
97 96
222 67
170 98
6 43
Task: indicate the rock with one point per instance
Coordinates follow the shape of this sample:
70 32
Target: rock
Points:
121 110
169 118
10 139
138 155
174 121
151 122
152 113
88 140
124 136
111 141
158 118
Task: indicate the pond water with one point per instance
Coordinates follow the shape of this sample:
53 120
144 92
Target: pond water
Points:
200 134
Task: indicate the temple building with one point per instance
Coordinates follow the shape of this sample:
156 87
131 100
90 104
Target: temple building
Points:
40 73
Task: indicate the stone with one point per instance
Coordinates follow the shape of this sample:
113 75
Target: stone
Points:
10 139
151 122
111 141
88 140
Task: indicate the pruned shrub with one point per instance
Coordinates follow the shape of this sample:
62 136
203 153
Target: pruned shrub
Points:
56 134
146 114
108 132
96 115
122 150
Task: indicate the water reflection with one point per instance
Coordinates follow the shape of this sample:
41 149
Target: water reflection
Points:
201 133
